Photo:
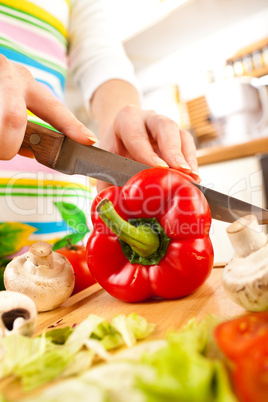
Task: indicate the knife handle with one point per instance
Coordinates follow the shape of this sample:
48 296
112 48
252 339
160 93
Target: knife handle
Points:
44 143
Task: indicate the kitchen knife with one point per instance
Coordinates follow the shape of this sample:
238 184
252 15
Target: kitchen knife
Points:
60 153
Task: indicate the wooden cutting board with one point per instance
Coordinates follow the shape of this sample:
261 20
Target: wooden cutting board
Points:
166 314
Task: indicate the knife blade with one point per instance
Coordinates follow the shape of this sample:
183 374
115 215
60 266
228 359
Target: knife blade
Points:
60 153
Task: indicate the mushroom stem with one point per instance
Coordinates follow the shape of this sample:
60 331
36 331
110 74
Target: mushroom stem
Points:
17 314
245 236
2 329
41 254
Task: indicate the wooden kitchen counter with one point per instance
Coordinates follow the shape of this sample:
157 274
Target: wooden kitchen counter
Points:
206 156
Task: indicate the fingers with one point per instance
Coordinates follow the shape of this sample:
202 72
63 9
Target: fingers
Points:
189 151
18 92
101 185
43 104
129 127
176 146
143 131
13 112
167 134
12 128
26 152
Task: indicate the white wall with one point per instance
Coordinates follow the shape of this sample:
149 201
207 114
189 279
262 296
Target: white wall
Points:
240 178
186 67
189 65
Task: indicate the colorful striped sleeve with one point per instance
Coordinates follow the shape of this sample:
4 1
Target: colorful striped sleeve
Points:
37 39
34 34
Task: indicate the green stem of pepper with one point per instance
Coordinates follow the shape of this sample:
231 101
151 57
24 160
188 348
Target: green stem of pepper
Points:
142 239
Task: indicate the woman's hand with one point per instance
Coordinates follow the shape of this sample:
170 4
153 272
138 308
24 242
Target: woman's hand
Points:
143 135
152 139
18 92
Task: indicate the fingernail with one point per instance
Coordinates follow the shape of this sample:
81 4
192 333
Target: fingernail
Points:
184 166
195 172
88 133
159 162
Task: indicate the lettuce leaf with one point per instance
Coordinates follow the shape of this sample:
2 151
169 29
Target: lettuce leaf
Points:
132 327
63 352
44 368
2 398
184 367
59 335
75 389
139 326
185 370
182 374
15 349
82 332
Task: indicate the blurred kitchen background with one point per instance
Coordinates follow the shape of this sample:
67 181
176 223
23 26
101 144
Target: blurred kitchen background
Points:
204 63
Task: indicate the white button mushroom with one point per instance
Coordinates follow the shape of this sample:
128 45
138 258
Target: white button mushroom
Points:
245 277
17 314
44 275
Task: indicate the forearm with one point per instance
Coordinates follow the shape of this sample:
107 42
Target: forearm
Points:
109 99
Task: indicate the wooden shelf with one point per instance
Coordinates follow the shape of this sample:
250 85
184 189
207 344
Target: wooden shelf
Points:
249 49
247 53
260 72
206 156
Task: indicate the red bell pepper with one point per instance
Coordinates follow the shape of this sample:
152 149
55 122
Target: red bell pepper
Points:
151 237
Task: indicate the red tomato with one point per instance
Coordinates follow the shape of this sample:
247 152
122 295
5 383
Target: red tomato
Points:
235 337
244 340
77 257
250 378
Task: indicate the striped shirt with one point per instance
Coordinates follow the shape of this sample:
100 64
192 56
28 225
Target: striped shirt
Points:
50 38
